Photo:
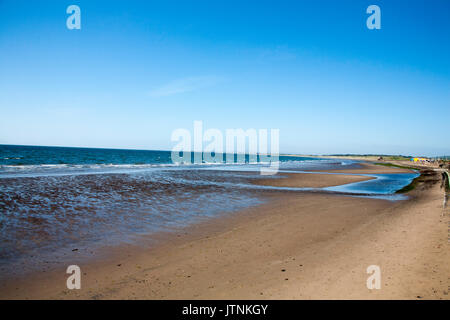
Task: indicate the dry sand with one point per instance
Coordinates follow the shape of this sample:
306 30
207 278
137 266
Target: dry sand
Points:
296 246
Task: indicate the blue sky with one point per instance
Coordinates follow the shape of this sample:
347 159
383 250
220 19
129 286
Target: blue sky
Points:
137 70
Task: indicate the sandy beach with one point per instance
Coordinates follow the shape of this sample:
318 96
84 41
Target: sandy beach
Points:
196 153
294 246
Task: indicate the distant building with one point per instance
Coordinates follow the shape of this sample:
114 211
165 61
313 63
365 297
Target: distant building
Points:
421 160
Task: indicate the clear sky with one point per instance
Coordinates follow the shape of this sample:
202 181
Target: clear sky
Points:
137 70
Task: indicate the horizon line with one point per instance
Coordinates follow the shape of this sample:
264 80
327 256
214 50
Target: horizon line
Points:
280 154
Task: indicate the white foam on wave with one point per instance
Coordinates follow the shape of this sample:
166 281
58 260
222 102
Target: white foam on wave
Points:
34 170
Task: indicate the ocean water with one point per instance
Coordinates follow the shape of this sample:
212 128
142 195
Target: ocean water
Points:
54 199
35 160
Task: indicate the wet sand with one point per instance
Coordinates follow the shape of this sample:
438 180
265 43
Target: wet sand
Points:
370 168
296 246
310 180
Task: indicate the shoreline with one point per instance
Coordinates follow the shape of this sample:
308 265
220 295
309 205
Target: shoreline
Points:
242 255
